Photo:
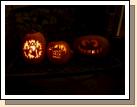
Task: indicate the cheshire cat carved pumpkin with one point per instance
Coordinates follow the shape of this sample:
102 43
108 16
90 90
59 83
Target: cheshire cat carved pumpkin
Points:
34 47
58 52
92 45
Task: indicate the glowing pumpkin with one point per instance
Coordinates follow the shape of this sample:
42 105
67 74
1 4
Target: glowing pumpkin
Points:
92 45
34 47
59 52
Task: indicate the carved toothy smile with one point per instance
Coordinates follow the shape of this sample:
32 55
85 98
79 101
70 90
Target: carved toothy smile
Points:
90 51
58 50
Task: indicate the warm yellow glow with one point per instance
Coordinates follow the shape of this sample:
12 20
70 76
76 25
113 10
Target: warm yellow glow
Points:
93 51
58 50
57 54
32 49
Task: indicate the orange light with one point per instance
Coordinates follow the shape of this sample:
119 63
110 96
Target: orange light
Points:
57 51
32 49
93 52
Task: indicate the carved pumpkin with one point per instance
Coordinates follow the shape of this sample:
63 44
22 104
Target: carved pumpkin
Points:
59 52
92 45
34 47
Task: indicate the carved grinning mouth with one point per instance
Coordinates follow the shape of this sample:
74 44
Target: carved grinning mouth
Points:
90 47
90 51
58 51
56 54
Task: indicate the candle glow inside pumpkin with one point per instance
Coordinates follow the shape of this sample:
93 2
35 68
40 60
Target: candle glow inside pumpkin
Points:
92 45
58 50
32 49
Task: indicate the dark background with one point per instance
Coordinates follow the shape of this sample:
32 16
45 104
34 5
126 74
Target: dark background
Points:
82 74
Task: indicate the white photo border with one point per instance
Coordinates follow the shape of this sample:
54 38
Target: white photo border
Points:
66 97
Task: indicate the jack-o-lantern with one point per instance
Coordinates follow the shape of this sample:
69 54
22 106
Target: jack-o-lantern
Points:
34 47
92 45
58 52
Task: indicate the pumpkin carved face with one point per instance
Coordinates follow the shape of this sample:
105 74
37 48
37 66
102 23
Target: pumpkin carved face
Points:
58 52
34 47
92 45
